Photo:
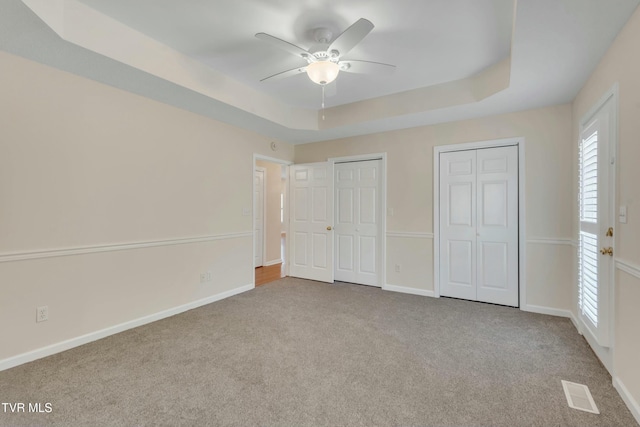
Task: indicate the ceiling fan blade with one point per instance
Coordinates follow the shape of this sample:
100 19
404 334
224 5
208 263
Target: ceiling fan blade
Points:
284 45
288 73
351 36
367 67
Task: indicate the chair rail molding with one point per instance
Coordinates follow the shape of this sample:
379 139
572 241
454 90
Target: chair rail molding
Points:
628 267
551 241
81 250
410 234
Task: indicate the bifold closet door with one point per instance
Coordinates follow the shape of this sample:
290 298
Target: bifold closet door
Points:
479 225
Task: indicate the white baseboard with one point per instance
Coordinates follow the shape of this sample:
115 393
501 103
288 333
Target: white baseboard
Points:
274 262
554 312
628 399
550 311
112 330
412 291
575 322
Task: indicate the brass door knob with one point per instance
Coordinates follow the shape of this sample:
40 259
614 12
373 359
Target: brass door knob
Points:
605 251
329 228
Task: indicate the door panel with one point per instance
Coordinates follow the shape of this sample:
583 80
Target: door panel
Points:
368 252
345 206
345 253
479 225
461 199
359 229
494 266
320 249
300 249
497 232
458 227
460 253
494 203
368 205
300 204
311 221
320 201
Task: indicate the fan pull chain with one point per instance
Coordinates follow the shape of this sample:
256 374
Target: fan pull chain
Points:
323 102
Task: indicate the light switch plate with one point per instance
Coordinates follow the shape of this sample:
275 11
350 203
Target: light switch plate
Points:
246 211
622 215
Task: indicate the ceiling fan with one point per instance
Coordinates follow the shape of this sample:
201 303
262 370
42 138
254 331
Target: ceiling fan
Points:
324 60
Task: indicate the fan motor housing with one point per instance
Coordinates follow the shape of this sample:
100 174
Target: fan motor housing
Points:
323 35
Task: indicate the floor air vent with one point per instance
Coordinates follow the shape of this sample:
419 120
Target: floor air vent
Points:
579 397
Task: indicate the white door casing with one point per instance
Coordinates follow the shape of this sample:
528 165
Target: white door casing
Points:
256 158
478 236
358 224
311 221
259 182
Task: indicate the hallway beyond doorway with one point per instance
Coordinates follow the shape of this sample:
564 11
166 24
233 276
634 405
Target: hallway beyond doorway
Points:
273 272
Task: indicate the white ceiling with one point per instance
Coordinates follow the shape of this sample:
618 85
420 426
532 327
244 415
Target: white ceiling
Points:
430 42
553 46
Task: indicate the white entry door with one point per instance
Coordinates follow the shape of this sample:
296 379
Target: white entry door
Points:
479 225
311 202
358 225
595 250
258 205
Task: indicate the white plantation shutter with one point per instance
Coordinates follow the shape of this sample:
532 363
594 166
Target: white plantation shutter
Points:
589 178
588 276
588 245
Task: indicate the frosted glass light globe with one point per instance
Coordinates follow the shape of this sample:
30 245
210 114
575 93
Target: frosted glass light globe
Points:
323 72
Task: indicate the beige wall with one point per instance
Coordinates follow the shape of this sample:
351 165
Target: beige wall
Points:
549 156
621 65
274 227
86 165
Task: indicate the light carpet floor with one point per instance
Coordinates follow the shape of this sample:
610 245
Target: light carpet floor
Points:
298 353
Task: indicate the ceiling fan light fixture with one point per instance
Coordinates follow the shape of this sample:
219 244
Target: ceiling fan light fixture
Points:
323 72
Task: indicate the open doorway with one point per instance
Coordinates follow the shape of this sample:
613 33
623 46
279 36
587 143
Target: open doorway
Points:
270 219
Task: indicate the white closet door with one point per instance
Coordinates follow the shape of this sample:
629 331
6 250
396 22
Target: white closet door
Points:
458 224
358 224
479 225
312 221
497 226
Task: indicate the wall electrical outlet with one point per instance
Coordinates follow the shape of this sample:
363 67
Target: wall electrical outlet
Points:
209 276
42 313
398 268
203 277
